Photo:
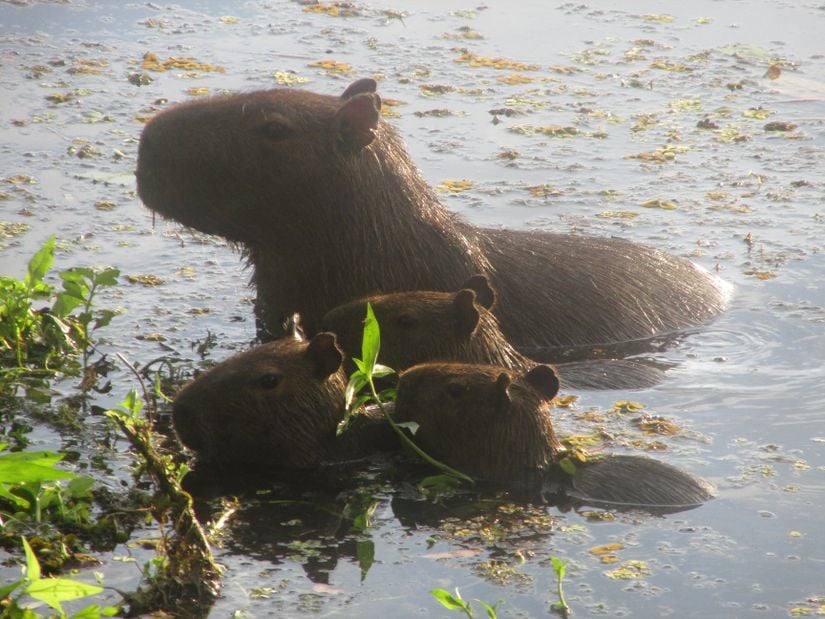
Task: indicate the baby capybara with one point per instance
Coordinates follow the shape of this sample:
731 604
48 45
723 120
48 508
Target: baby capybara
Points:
494 424
273 407
328 206
423 326
486 421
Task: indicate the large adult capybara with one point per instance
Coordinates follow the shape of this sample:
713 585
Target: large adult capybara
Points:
494 424
425 326
328 206
275 407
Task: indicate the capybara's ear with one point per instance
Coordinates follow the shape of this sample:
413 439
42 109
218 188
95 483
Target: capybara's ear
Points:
485 295
324 354
543 378
293 328
465 312
503 393
359 87
356 120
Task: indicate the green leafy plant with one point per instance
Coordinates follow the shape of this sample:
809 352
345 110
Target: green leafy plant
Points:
368 369
184 572
456 602
560 569
30 489
51 591
19 322
40 336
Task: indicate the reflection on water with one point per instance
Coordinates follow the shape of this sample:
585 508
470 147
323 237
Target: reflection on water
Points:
746 390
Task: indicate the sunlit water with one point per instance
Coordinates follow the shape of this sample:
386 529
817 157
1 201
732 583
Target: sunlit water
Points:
746 389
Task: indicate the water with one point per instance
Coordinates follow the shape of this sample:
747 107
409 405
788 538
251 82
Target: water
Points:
746 389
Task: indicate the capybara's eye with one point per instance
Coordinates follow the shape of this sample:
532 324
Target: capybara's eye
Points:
269 381
405 321
456 390
276 130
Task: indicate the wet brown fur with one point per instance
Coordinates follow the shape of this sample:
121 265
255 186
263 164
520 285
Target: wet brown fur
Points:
488 422
329 207
232 413
426 326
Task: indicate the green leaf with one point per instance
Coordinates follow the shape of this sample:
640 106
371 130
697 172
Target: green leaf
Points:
568 466
37 466
104 317
132 403
52 591
371 342
449 601
81 275
32 565
40 263
559 567
356 383
6 590
80 487
19 503
412 426
365 551
94 612
65 304
107 277
491 610
379 370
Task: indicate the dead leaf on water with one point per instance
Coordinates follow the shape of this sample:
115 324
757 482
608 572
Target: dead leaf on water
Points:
229 19
685 105
435 90
763 275
289 78
515 79
666 65
627 406
629 570
657 156
438 113
643 121
658 18
455 186
565 401
655 425
659 203
758 113
564 70
197 91
145 280
717 196
334 9
773 72
544 191
605 549
475 60
152 62
332 66
617 214
780 125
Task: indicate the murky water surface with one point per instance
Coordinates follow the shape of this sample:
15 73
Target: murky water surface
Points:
669 102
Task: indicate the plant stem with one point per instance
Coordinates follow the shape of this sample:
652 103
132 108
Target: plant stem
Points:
411 444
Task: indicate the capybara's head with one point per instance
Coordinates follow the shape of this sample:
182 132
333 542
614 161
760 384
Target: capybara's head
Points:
421 326
275 406
244 165
486 421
